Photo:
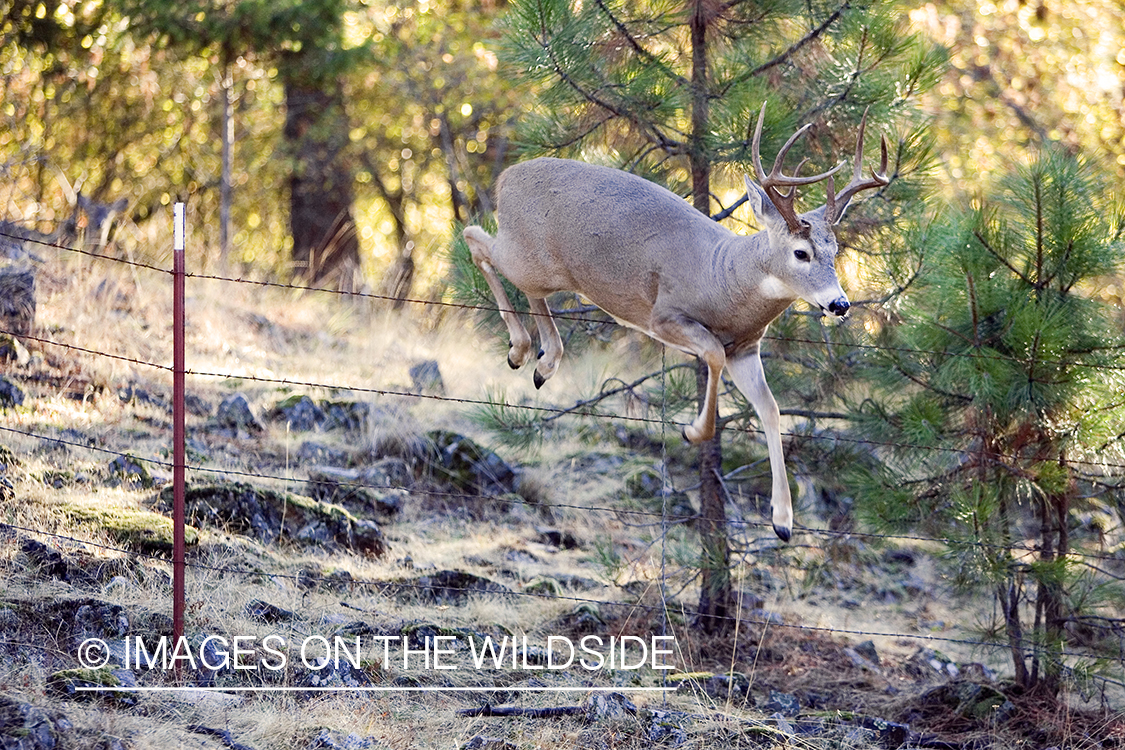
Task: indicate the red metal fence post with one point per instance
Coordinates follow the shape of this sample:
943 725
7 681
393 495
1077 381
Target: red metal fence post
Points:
178 424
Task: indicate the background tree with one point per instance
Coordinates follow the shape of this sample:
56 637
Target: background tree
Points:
671 92
306 41
999 402
1026 74
432 117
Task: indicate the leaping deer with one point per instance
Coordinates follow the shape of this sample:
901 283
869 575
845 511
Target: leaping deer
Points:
653 262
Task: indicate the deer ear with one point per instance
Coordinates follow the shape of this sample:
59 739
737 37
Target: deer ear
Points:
763 207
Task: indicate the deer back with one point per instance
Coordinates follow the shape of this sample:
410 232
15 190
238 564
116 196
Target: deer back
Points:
627 244
610 235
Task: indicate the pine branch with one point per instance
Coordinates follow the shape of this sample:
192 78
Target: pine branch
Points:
603 395
793 49
650 130
641 51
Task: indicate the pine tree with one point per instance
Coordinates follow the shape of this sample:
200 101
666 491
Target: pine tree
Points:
671 90
998 400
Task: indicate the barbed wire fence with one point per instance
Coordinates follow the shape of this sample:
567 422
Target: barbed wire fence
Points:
1093 560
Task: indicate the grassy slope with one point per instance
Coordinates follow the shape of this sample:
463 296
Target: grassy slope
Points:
308 338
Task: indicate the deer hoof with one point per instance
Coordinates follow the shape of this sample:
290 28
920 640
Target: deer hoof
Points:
539 380
783 532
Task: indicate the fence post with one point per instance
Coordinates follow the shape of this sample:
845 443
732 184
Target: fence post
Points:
178 423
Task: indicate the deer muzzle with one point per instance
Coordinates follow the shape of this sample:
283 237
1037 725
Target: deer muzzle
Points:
839 307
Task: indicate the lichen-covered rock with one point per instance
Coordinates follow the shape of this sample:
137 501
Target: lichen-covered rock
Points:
25 727
457 460
369 491
270 516
235 417
299 413
142 529
92 684
448 587
131 472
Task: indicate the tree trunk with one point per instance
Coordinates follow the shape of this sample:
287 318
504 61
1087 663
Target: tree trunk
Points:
1054 546
714 559
225 187
325 241
1009 592
714 595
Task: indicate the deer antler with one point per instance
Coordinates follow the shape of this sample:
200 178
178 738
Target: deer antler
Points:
775 179
835 205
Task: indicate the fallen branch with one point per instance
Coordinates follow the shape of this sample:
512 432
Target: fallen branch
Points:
534 713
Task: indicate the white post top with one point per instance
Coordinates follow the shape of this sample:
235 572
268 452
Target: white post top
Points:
178 226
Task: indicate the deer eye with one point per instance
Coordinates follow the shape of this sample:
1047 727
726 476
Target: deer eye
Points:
801 255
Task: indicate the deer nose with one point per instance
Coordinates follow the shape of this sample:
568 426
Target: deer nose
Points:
839 307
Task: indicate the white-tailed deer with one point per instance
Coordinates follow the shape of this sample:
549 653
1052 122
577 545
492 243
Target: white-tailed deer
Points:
649 259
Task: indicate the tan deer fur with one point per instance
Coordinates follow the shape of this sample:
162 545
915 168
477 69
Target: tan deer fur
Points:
653 262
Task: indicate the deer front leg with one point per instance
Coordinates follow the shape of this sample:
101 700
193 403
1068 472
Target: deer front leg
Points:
746 371
519 340
551 351
688 335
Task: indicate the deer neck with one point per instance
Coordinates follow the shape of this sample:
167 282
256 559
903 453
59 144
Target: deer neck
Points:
754 293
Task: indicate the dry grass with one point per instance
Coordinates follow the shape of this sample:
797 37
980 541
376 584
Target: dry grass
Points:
327 347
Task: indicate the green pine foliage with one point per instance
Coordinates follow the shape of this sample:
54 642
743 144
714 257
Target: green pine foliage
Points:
997 399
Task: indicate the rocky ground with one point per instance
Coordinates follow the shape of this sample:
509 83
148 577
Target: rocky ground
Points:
363 573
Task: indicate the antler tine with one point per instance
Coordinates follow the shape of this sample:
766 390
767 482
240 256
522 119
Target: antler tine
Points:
836 204
776 178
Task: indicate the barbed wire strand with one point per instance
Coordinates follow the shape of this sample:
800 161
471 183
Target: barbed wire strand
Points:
394 587
557 315
561 315
553 409
674 518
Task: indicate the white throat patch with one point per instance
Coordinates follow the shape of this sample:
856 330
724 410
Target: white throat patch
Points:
774 288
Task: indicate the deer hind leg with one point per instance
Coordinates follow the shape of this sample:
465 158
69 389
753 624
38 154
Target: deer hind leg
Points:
519 340
690 336
552 346
746 370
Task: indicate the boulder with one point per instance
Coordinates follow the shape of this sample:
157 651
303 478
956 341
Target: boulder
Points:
129 471
269 516
95 684
457 460
10 394
375 490
17 301
145 530
312 452
25 727
610 707
449 587
426 378
782 703
352 416
299 413
234 416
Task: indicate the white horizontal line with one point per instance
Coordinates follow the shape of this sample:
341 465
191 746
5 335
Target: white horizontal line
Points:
291 689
